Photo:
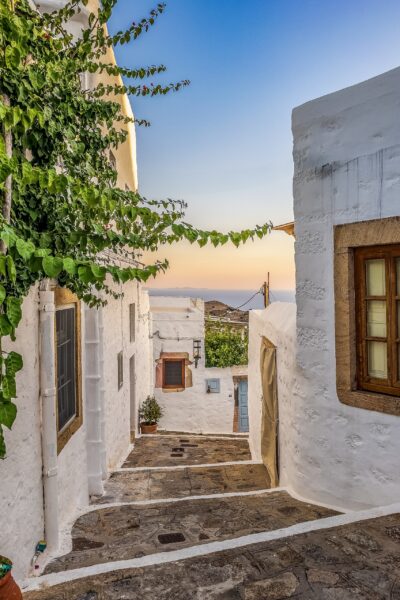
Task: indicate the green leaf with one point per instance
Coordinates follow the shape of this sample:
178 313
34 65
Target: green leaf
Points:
9 387
13 310
8 412
41 252
3 266
98 272
5 326
11 270
12 56
69 266
2 294
52 266
25 249
85 274
13 363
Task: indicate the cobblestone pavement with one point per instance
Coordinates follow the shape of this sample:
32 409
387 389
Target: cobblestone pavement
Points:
360 561
154 485
165 451
125 532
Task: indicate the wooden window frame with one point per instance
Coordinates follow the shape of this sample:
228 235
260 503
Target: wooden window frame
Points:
389 254
64 297
166 386
347 238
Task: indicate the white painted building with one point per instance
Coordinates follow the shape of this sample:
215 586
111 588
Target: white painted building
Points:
63 445
338 381
194 398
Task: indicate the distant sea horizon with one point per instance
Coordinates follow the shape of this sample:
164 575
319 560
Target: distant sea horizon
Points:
233 298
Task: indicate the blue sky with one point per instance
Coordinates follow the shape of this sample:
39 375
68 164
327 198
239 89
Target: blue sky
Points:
224 144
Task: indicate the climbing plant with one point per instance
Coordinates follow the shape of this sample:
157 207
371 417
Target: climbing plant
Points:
225 346
63 215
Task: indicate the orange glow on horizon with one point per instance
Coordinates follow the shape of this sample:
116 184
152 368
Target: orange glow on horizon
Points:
228 267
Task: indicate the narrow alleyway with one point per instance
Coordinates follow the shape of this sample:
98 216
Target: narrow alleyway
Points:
180 527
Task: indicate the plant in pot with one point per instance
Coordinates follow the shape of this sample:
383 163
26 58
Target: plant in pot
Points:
150 413
9 590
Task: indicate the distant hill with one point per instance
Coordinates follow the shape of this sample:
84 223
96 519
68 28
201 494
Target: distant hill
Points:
216 310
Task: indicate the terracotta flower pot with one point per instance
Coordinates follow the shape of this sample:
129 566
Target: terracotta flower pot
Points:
148 428
9 590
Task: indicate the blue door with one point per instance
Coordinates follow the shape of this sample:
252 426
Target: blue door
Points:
243 411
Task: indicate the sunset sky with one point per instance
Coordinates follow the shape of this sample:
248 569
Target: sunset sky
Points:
224 144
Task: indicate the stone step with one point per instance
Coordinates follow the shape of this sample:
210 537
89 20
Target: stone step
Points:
358 560
164 451
127 532
177 483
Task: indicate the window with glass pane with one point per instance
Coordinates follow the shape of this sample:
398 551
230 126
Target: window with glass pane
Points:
66 365
173 373
377 286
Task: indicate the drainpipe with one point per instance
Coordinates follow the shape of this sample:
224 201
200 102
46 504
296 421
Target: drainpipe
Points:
49 420
93 377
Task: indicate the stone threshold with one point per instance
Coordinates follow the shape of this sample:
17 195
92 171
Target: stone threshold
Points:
159 558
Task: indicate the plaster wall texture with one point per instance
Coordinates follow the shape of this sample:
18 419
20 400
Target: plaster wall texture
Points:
21 489
278 324
116 339
176 323
346 169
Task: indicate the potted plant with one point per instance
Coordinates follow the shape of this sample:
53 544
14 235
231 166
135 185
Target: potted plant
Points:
9 590
150 413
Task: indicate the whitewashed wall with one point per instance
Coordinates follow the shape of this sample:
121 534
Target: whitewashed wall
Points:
117 338
176 323
278 324
21 488
347 169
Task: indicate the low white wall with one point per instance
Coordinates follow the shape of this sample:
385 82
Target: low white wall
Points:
347 169
176 323
278 324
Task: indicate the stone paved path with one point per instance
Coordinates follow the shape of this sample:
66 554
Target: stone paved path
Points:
356 561
150 485
125 532
360 561
164 451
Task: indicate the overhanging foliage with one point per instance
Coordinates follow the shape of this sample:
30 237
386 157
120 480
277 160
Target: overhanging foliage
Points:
61 206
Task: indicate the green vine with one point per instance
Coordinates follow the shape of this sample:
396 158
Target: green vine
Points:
63 214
